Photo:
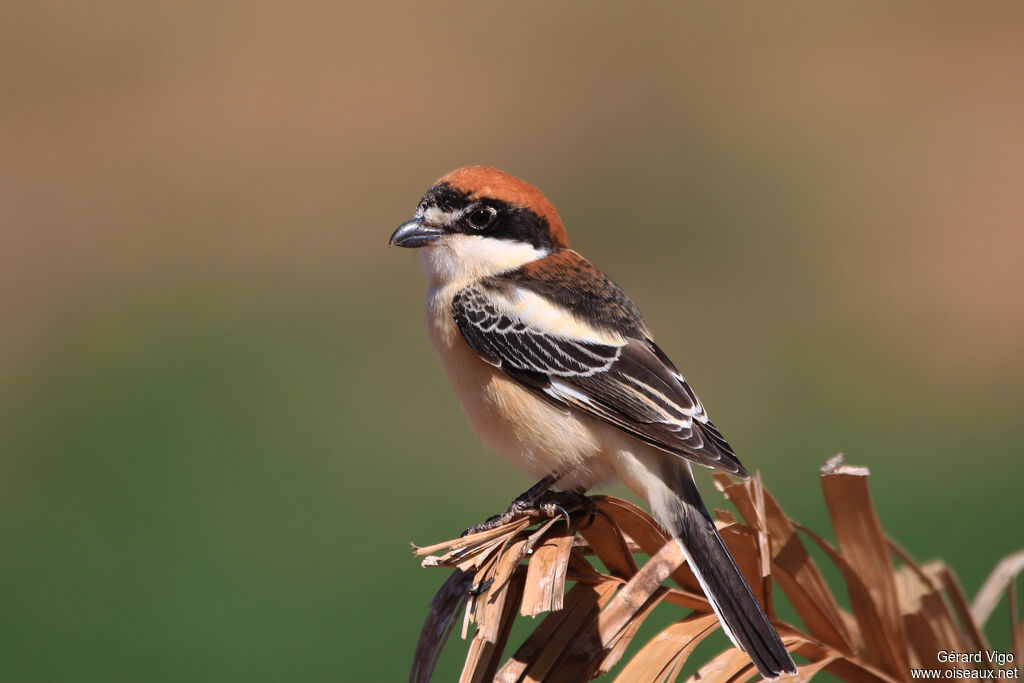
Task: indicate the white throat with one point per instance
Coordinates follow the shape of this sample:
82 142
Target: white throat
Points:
460 259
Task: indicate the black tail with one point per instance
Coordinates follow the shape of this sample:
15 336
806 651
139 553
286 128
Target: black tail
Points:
742 617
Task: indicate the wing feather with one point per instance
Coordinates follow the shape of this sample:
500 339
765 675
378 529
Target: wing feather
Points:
631 385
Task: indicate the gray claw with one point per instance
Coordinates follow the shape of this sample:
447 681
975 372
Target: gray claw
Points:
565 515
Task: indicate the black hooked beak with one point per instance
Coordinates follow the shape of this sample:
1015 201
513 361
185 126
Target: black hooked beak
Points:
414 234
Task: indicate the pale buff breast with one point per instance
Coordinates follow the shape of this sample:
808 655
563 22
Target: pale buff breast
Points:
536 436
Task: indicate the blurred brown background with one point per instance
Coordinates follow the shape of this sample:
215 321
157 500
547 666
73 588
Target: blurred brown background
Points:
221 419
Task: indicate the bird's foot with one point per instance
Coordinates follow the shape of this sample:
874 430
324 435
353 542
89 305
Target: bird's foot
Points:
546 505
516 510
565 502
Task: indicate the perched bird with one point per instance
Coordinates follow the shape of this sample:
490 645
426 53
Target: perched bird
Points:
558 373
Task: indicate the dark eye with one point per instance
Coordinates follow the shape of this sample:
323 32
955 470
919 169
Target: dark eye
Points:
482 217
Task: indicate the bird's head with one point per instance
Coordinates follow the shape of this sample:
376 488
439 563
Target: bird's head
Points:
479 221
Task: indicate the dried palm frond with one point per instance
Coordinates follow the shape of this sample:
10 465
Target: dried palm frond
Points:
900 617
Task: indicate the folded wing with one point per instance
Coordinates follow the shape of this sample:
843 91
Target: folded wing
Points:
626 381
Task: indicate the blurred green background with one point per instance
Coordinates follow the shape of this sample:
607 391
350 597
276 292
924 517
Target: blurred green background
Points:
220 419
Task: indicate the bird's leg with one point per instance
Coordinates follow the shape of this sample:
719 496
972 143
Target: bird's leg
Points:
520 506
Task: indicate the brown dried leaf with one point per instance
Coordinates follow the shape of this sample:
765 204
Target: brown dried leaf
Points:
642 529
545 577
491 603
793 568
759 524
484 656
634 522
730 665
540 653
640 588
694 601
846 667
472 540
608 543
935 606
955 594
604 610
620 642
866 552
808 671
1015 629
632 601
854 670
582 571
662 657
928 620
868 622
992 590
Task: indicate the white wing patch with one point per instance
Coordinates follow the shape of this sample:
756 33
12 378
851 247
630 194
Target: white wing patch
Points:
498 332
545 317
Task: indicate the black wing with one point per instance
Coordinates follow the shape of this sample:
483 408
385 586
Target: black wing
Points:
633 386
